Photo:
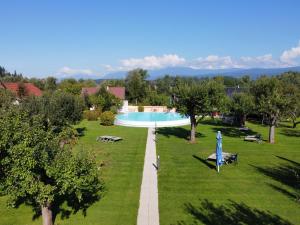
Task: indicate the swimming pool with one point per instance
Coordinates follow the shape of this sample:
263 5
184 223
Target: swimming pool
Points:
151 119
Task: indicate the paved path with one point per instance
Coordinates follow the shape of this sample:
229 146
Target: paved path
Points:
148 209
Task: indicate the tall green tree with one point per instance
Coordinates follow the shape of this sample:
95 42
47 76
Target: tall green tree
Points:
270 100
104 100
291 82
71 86
22 91
197 100
59 109
50 84
6 98
136 85
240 105
35 171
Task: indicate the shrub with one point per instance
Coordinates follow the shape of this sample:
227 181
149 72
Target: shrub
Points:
141 108
107 118
91 115
114 109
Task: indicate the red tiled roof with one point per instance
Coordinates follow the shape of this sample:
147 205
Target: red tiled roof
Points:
119 92
30 88
89 90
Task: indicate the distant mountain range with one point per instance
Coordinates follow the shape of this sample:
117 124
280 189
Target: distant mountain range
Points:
186 71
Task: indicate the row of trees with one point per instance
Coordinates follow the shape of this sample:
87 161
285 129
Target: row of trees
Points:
269 98
140 90
272 98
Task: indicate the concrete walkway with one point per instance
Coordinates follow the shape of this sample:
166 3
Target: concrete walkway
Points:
148 209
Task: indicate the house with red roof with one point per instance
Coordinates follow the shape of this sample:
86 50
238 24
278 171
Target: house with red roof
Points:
89 90
29 88
118 92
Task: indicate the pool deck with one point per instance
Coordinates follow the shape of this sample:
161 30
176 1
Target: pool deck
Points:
148 213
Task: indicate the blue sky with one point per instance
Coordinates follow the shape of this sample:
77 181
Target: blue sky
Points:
60 37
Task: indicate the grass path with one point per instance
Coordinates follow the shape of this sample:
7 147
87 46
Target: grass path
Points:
122 174
191 191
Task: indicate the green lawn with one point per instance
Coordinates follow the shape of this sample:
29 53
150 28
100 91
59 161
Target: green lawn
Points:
122 174
260 189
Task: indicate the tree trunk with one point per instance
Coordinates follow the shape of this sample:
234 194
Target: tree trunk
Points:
272 130
47 215
272 134
295 124
193 129
263 120
243 120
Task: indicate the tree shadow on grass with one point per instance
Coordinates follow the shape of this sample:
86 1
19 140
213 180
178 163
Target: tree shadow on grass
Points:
179 132
286 174
205 162
284 125
212 122
290 132
233 131
232 213
66 206
81 131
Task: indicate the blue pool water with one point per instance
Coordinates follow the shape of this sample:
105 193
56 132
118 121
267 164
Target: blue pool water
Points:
150 116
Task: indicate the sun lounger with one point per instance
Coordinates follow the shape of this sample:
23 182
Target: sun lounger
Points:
256 138
108 138
244 129
227 157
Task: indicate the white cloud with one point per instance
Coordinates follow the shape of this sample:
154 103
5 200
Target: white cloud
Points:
67 72
70 71
153 62
289 56
214 62
264 61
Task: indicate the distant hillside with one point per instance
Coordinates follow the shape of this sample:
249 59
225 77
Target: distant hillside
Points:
186 71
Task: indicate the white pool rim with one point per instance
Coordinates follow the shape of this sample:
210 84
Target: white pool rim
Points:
170 123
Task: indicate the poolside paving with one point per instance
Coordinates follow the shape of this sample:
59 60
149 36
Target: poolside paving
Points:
148 209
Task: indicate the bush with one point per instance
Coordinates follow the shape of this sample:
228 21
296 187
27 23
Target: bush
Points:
107 118
141 108
114 109
91 115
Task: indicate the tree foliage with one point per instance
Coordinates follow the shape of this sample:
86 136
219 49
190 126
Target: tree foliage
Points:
270 100
198 100
240 105
103 100
36 171
50 84
6 98
58 109
291 83
70 86
136 85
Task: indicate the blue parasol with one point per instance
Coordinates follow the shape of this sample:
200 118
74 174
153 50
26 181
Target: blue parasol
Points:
219 158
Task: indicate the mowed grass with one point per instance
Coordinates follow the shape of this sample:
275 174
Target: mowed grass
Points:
260 189
121 172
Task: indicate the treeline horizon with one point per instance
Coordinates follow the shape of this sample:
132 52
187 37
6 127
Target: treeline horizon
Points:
229 81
